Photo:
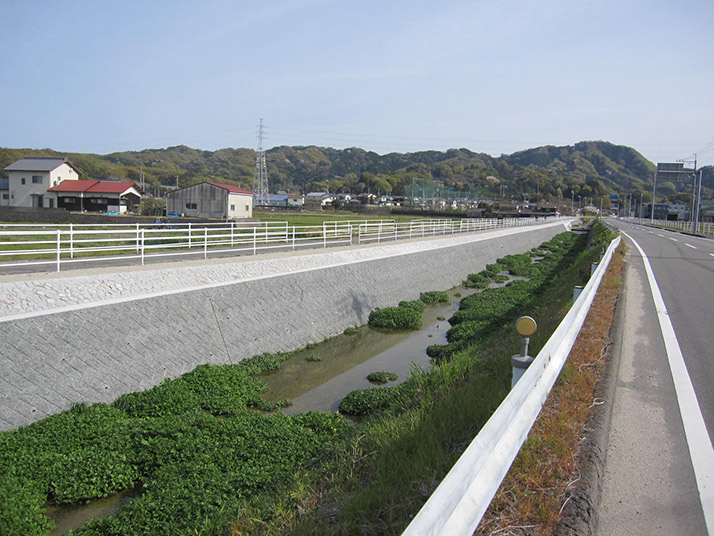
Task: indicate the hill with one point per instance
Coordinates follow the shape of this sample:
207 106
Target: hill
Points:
587 169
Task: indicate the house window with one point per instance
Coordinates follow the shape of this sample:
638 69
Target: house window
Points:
191 206
247 208
22 180
37 179
233 208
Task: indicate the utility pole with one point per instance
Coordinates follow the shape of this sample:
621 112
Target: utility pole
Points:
260 177
654 187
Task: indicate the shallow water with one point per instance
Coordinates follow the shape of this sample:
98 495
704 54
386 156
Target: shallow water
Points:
73 516
348 359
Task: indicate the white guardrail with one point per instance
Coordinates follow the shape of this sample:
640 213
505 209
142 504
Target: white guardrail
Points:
458 504
37 244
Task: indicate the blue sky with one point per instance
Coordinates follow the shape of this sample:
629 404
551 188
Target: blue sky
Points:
493 76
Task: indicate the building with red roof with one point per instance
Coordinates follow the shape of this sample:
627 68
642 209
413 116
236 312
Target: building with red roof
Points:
97 196
211 200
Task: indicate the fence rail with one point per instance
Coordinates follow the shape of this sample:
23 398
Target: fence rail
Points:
702 228
36 245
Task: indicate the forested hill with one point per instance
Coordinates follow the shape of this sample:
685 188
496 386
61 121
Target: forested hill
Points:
590 168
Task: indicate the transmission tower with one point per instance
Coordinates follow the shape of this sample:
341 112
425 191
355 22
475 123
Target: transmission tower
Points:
260 178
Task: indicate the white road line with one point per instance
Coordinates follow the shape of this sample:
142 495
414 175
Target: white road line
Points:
690 245
700 446
660 235
674 240
712 254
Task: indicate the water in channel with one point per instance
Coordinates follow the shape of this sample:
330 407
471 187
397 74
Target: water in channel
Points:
346 360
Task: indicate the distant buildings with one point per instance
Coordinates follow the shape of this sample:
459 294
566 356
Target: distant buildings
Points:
54 183
211 200
30 178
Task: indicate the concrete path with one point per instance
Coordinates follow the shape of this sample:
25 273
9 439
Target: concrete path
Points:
649 486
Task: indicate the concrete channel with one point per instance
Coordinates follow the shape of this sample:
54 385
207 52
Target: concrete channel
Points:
93 336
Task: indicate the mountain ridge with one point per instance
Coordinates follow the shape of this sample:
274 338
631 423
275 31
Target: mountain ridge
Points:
593 169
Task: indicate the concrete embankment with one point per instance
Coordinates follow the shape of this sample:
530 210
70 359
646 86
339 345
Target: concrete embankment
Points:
91 338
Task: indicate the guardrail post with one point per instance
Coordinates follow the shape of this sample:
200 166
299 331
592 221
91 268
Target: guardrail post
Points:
255 239
576 293
71 242
324 235
232 228
137 237
293 236
205 242
189 235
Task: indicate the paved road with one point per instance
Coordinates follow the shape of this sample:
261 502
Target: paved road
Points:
656 479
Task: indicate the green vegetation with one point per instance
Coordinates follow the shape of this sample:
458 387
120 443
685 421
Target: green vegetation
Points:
395 318
313 358
350 331
382 377
479 280
434 296
368 401
191 464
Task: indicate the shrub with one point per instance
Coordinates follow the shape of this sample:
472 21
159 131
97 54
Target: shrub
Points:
480 280
395 318
365 402
417 305
313 358
434 296
494 269
264 362
382 377
350 331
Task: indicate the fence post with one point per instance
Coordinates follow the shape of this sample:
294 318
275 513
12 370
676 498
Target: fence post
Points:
142 247
255 238
324 235
137 238
189 235
205 242
71 242
59 249
232 226
293 236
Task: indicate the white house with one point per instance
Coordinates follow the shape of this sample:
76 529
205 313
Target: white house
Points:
211 200
4 192
296 200
30 178
96 196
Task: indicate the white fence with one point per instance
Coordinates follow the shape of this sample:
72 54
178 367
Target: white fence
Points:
458 504
61 245
685 226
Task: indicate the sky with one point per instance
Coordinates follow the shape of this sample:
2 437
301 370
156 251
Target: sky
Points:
492 76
